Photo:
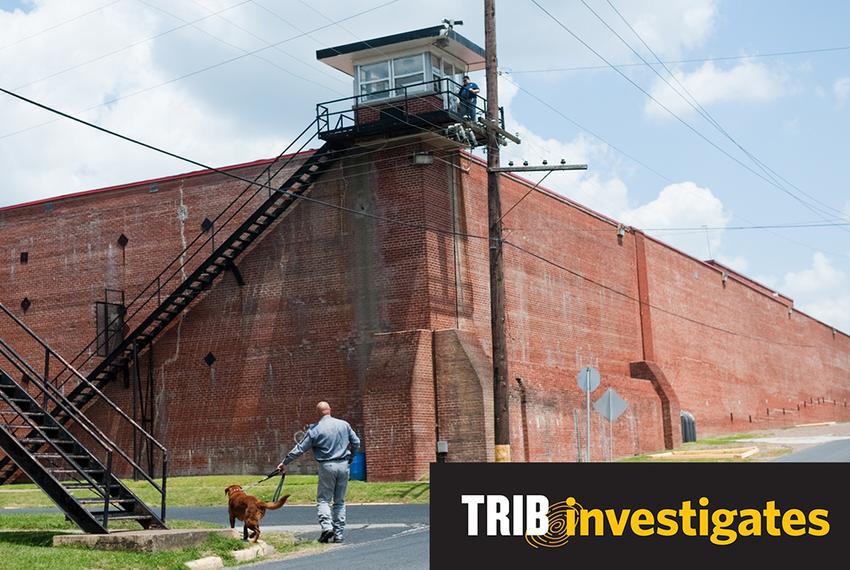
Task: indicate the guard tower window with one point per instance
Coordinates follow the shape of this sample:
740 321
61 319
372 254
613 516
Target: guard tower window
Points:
377 79
408 71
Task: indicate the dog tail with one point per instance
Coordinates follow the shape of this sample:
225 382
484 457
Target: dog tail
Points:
277 504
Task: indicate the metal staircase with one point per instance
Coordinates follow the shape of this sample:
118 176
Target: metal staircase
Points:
243 221
77 476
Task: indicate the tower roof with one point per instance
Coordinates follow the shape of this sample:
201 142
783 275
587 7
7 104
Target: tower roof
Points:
343 57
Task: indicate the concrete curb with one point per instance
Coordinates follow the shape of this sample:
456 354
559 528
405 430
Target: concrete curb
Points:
258 550
208 563
253 552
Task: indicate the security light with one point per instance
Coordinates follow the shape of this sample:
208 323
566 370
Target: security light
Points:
423 158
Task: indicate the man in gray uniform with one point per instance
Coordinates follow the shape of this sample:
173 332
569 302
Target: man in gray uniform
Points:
330 440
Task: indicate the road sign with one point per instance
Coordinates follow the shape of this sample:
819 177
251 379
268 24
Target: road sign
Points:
588 378
611 406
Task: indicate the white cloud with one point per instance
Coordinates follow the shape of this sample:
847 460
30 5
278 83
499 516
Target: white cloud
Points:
682 26
605 194
64 157
684 205
821 291
821 276
747 82
841 88
529 39
247 109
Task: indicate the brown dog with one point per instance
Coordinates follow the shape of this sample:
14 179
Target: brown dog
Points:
248 509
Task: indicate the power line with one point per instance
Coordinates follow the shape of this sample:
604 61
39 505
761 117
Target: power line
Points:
224 172
357 212
653 306
757 227
587 130
234 46
308 65
125 48
530 190
692 101
678 61
203 69
673 114
60 24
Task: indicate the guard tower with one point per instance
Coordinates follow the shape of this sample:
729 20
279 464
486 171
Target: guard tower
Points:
404 84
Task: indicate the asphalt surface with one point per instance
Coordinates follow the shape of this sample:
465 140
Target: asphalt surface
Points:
377 536
406 550
832 452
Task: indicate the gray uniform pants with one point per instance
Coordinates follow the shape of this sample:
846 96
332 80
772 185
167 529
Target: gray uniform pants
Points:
333 481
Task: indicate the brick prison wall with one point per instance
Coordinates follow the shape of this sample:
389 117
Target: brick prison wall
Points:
390 321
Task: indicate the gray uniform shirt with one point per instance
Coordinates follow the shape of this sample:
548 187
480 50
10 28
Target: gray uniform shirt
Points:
329 439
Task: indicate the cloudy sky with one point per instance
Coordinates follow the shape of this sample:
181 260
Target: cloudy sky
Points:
752 135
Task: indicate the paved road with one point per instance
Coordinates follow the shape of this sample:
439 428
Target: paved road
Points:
832 452
377 536
406 550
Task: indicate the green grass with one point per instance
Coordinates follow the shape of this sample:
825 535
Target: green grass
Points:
715 443
208 491
723 440
33 549
50 521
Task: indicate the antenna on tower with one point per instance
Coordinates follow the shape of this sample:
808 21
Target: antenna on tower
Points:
450 24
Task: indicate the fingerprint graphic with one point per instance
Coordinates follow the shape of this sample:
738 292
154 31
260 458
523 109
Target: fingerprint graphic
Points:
558 533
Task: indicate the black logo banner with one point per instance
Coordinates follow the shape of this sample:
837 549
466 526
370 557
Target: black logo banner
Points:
665 515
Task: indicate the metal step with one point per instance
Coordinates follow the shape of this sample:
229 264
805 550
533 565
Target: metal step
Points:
88 487
42 440
68 471
58 456
99 501
121 516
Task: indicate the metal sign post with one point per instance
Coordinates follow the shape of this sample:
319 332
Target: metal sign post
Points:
610 406
588 379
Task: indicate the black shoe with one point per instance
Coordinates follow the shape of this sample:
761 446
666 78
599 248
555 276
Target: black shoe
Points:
326 536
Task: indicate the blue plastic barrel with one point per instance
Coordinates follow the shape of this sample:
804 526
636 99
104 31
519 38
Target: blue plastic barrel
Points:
357 471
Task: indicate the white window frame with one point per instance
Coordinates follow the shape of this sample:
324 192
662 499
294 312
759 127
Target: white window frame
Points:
360 83
428 71
390 94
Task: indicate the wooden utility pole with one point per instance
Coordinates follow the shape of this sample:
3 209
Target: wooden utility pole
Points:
501 417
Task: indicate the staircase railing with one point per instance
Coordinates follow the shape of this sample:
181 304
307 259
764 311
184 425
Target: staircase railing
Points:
50 393
158 288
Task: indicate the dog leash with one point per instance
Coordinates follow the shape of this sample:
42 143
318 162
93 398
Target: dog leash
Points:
263 480
279 487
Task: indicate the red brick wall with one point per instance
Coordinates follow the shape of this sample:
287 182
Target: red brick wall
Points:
754 357
341 307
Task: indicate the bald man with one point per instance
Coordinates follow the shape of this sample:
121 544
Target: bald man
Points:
333 443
